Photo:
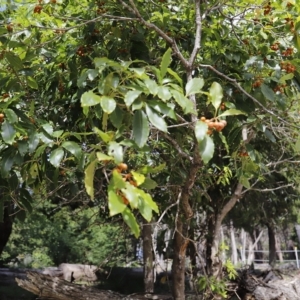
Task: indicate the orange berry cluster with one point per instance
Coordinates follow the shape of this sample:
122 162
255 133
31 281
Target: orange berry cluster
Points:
279 88
267 9
80 51
2 117
101 9
288 52
288 67
121 168
214 124
275 46
38 9
243 154
257 83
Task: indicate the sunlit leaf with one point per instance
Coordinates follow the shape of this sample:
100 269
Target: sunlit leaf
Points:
232 112
8 132
165 62
108 104
56 157
73 148
200 130
90 98
11 116
216 94
156 120
206 148
115 203
89 179
140 128
130 220
194 86
116 151
102 156
131 96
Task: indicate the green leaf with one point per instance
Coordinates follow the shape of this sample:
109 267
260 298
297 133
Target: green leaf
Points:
194 86
116 151
156 120
130 193
175 75
130 220
14 60
116 117
267 92
232 112
103 135
216 94
165 62
270 135
164 108
138 177
185 103
8 132
102 156
148 184
73 148
164 93
89 179
117 181
56 157
200 130
286 77
10 115
33 141
90 99
25 199
245 182
148 200
152 86
32 83
207 148
115 203
131 96
108 104
7 161
140 128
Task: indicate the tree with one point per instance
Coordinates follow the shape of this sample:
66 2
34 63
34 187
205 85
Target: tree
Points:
121 95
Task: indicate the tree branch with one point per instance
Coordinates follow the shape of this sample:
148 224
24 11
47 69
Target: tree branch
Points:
132 8
236 84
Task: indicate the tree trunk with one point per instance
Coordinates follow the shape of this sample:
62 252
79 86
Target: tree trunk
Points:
214 263
178 266
47 287
234 256
278 248
244 243
272 245
148 258
5 228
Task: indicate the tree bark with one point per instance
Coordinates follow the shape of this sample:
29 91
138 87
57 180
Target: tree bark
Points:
148 258
5 228
214 263
233 245
178 266
272 245
53 288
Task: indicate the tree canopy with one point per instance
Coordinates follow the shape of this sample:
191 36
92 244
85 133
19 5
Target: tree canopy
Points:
151 108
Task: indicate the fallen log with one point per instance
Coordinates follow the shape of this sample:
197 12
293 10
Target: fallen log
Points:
54 288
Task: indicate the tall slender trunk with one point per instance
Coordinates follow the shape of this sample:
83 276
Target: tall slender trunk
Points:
148 258
178 266
234 256
5 228
272 245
